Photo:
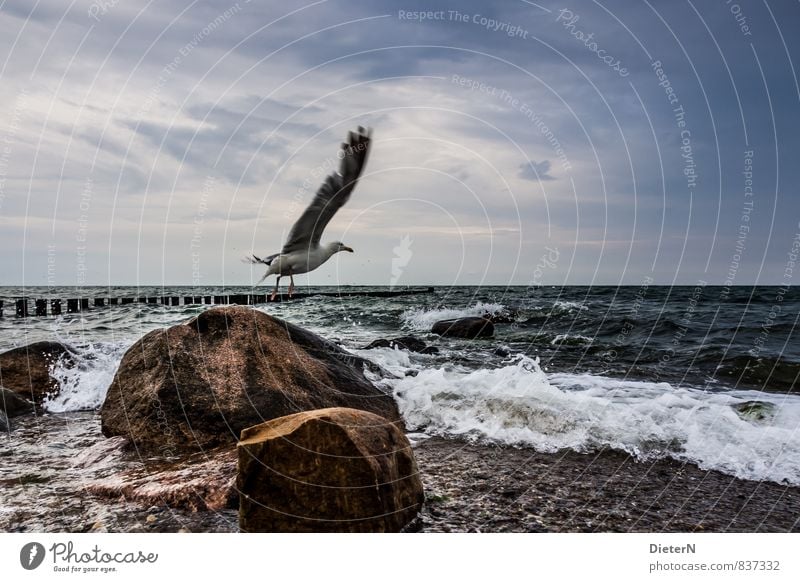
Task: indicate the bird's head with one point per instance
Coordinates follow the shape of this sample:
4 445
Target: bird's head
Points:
338 247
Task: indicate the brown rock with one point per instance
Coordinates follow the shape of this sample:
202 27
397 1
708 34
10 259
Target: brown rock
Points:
199 384
332 470
464 327
11 404
26 370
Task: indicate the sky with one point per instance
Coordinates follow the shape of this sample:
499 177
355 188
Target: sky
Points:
514 143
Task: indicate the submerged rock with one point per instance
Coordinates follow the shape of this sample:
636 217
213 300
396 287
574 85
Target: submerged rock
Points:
200 482
11 404
755 410
26 370
407 342
201 383
464 327
332 470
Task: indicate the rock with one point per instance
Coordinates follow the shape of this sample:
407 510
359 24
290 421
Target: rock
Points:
755 410
503 352
199 384
14 405
407 342
199 482
5 425
464 327
26 370
331 470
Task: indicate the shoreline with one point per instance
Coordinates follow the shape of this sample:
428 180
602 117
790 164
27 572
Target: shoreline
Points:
485 488
469 488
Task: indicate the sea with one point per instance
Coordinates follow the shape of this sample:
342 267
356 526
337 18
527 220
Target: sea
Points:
701 374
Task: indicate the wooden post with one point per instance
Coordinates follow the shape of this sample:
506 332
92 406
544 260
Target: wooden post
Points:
72 306
174 300
127 300
99 302
55 306
41 307
84 304
113 300
188 300
22 307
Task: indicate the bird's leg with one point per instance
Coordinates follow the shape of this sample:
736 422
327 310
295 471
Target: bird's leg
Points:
275 291
291 284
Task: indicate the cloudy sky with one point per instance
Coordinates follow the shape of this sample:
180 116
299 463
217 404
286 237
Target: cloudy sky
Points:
592 142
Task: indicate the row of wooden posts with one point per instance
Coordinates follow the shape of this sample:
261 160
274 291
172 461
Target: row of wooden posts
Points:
43 307
25 307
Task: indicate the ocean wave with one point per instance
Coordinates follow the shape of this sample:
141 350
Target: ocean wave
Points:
421 319
84 383
519 404
569 306
564 339
534 314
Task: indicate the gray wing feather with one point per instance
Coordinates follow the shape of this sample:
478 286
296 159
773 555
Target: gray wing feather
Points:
332 195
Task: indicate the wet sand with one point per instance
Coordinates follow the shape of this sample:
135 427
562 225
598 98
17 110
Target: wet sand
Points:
473 488
469 488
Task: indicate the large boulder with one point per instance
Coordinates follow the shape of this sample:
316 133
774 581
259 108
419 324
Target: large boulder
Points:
26 370
199 384
464 327
11 404
332 470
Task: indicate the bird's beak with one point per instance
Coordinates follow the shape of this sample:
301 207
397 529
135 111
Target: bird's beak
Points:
348 249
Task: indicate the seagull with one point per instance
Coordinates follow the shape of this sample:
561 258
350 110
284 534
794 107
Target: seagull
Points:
302 251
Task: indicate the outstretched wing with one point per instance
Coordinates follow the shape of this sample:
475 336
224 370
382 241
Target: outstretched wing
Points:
332 195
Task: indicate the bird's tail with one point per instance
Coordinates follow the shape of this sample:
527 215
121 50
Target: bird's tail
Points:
254 260
261 280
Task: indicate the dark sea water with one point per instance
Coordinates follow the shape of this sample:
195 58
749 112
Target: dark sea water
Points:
652 371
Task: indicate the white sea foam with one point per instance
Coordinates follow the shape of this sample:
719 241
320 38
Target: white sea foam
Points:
569 306
394 360
83 385
423 319
563 338
519 404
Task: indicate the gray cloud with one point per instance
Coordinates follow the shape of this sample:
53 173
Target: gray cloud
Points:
484 140
535 171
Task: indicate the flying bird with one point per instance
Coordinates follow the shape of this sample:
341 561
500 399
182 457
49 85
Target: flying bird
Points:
302 251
